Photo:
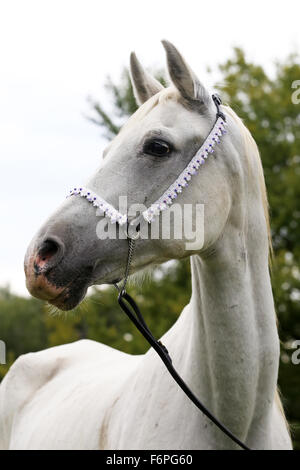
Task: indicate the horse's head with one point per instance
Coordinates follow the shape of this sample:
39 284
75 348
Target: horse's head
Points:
67 255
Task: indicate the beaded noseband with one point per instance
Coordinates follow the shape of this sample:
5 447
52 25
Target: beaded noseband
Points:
126 302
168 197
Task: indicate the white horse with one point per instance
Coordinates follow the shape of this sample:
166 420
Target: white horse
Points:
86 395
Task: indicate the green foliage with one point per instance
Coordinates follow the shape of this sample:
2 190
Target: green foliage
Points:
264 103
22 326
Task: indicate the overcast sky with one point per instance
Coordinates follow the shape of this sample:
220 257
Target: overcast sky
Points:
56 53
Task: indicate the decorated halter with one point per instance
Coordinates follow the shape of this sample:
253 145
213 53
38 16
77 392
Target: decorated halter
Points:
168 197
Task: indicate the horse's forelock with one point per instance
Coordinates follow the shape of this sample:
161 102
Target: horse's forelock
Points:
167 94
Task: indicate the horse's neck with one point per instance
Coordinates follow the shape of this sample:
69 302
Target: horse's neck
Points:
225 346
232 347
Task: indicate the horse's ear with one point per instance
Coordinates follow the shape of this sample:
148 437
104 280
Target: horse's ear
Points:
183 77
144 86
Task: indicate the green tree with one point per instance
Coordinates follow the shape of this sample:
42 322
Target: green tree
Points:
22 326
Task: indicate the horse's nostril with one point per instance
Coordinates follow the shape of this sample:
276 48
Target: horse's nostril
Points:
49 250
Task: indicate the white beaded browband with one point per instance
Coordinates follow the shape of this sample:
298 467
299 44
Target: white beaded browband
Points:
176 188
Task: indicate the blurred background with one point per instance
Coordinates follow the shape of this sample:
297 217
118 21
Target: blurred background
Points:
64 94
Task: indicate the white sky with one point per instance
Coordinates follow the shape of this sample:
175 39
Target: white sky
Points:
53 54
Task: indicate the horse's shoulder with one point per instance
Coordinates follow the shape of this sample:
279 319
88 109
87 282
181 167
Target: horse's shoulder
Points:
32 372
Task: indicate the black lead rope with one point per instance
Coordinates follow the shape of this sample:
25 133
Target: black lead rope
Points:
131 309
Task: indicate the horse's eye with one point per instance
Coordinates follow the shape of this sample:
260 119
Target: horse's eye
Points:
158 148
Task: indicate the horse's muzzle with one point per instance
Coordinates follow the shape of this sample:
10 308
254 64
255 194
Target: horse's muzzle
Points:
39 261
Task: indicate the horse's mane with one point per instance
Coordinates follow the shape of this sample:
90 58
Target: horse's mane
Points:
253 152
170 93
